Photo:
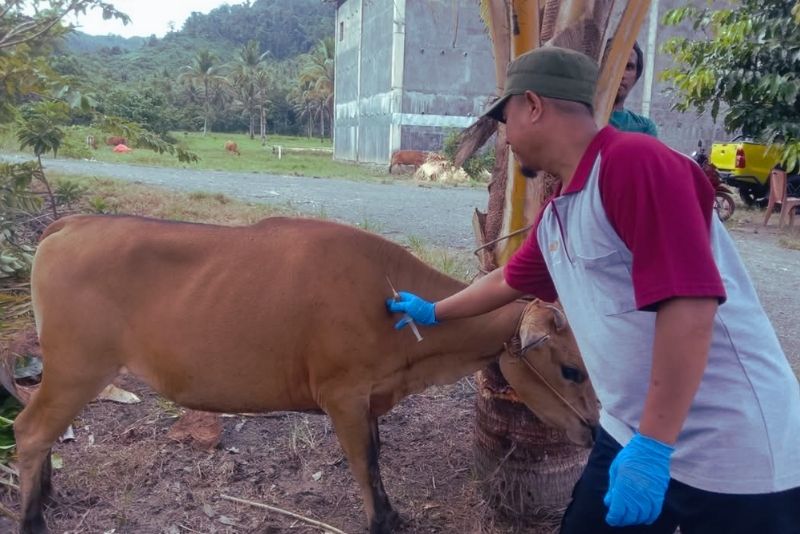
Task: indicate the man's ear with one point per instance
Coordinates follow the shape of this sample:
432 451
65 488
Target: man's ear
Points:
533 105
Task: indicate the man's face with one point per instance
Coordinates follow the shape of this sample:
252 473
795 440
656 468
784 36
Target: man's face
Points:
628 79
519 132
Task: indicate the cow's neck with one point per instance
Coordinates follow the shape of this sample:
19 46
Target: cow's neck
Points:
454 349
483 335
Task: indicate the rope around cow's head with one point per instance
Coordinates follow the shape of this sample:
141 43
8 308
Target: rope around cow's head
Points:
515 349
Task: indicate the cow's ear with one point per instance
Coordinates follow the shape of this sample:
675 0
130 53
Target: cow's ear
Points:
536 323
530 337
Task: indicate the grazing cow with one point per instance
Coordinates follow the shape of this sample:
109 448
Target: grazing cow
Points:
115 140
302 315
413 158
231 147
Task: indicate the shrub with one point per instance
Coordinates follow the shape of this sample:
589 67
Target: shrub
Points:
477 165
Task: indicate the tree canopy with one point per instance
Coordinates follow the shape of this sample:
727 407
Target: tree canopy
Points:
283 28
748 69
18 27
253 58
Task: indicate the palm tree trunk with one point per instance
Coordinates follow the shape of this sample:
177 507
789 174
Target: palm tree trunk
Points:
206 107
263 124
526 470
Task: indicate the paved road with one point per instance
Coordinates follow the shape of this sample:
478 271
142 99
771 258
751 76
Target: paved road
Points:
439 215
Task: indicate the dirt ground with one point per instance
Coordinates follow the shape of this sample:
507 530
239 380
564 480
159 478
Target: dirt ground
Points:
123 475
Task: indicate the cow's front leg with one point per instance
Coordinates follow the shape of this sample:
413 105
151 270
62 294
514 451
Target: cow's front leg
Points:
358 434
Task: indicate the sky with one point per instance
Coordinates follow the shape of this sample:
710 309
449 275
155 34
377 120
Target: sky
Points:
147 16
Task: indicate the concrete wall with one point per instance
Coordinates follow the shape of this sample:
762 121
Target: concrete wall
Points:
448 70
348 58
362 103
422 67
407 71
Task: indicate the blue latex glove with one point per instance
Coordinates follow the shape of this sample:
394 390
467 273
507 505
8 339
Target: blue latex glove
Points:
420 310
638 480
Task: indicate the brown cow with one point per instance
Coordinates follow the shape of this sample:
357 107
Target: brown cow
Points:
413 158
302 314
115 140
231 147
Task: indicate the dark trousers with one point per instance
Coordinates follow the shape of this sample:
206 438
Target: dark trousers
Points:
695 511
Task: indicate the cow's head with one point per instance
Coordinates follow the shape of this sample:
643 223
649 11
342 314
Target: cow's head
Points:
548 374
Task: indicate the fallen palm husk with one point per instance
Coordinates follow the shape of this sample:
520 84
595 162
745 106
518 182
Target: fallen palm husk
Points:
525 470
314 522
8 513
8 470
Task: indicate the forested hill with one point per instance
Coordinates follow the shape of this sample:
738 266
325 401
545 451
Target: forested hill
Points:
79 42
290 40
284 28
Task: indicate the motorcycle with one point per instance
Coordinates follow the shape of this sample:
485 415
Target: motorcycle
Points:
724 204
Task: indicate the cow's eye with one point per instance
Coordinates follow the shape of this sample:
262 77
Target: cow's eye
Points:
572 374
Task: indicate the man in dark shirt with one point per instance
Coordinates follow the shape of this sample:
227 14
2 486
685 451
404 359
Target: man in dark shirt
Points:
792 179
625 119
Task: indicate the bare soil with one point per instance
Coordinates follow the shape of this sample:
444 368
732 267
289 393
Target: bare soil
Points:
122 474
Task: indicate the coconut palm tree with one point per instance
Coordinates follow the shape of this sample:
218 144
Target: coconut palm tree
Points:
317 77
523 465
204 74
302 102
263 84
243 94
247 80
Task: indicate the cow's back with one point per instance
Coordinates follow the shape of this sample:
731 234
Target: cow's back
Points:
194 308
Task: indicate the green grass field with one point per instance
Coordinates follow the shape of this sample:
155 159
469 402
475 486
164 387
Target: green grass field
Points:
316 160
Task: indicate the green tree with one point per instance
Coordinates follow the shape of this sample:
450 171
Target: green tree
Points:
21 74
247 79
263 86
29 31
144 106
40 128
204 74
17 205
748 69
25 21
314 97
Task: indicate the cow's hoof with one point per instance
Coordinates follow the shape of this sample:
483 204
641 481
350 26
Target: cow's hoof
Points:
386 524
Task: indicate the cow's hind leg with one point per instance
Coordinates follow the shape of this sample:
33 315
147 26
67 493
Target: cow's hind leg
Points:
64 390
357 431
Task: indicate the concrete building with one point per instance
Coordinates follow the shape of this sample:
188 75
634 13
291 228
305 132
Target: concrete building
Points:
408 71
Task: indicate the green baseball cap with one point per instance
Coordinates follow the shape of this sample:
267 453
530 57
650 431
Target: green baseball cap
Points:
552 72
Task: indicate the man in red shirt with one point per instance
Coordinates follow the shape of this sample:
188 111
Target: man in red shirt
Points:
700 415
